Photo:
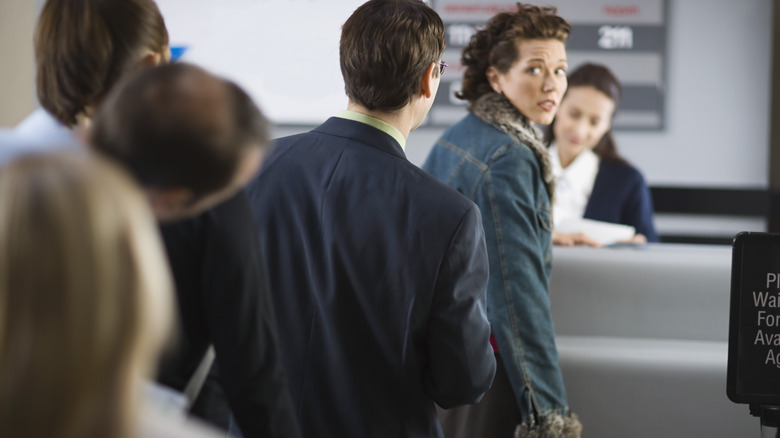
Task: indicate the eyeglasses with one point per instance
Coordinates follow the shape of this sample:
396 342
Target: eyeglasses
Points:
442 66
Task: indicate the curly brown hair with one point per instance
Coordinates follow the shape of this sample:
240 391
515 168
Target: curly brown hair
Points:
496 44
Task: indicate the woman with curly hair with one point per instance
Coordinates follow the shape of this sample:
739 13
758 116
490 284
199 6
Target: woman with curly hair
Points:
515 77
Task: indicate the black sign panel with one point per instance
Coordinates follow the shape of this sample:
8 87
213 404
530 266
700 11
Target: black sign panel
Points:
754 328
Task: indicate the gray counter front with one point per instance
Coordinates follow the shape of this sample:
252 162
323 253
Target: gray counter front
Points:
642 334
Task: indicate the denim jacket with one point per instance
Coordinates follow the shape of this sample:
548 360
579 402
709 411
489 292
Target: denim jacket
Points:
504 177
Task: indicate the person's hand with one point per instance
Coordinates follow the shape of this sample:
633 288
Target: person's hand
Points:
571 239
638 238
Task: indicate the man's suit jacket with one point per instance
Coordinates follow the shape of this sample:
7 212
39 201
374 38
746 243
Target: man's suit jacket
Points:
378 275
223 300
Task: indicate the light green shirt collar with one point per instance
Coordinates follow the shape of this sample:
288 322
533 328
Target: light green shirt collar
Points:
387 128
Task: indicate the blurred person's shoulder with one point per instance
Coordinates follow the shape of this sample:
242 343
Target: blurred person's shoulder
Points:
40 129
40 132
154 423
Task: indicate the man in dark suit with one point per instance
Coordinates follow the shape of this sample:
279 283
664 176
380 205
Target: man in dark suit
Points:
192 141
378 271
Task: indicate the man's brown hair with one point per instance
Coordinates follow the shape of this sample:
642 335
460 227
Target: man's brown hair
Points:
386 46
176 125
83 47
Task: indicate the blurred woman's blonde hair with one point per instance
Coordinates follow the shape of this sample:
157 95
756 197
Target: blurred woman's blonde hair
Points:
85 297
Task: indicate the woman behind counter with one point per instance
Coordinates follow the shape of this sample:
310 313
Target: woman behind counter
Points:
592 180
515 76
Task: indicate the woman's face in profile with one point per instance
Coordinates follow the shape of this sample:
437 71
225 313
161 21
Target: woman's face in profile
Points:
535 83
585 116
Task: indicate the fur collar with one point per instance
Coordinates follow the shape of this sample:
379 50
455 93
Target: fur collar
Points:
495 109
551 426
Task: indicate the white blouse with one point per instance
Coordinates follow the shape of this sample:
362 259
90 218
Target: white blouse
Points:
573 185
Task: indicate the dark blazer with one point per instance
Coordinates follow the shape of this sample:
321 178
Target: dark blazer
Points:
620 195
378 275
223 299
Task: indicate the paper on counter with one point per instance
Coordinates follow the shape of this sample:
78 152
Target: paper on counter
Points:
605 233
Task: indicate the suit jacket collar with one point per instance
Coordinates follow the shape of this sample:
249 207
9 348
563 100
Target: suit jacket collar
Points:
362 133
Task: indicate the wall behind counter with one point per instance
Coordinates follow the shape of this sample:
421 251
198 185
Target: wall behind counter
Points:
717 116
717 119
716 134
719 57
17 67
